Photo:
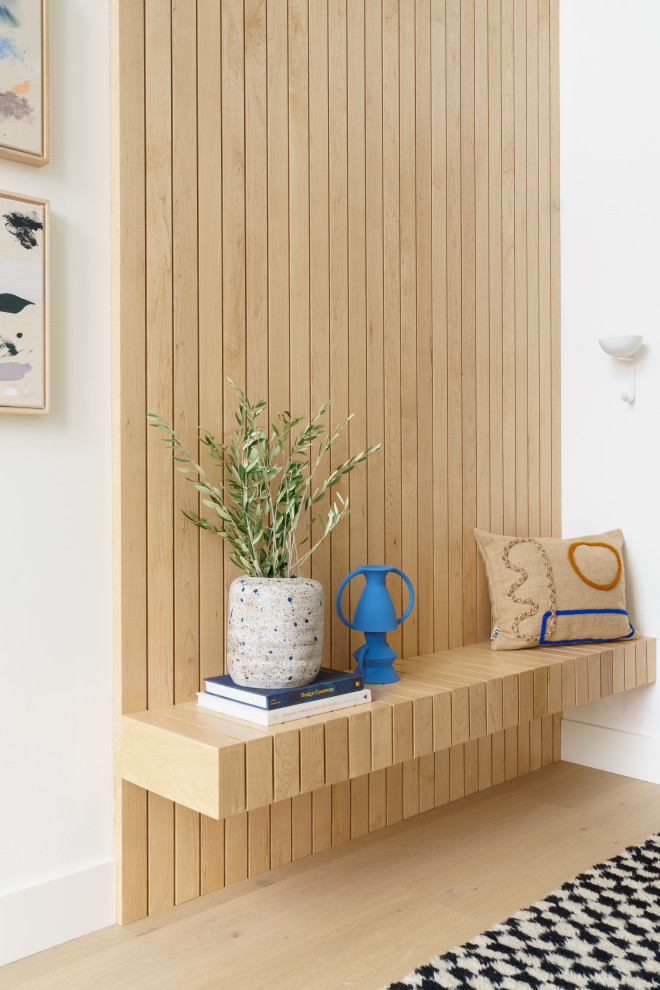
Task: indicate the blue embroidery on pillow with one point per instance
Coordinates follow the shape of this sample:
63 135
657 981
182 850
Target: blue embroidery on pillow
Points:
583 611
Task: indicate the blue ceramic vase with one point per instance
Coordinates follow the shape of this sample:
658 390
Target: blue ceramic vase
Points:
375 617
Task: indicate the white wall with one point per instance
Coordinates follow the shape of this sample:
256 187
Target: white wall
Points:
610 201
56 844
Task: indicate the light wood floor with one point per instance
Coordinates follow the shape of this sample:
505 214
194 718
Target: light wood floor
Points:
366 913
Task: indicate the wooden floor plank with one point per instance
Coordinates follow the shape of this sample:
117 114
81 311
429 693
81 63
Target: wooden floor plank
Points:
399 893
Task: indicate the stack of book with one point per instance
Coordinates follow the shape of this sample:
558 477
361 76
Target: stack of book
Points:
331 690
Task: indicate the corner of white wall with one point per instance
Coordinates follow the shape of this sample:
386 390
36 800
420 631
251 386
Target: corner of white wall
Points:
610 260
56 501
40 916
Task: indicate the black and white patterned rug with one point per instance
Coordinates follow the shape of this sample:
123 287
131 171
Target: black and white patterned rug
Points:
600 930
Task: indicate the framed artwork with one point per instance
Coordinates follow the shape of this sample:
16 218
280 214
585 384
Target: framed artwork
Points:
24 344
24 81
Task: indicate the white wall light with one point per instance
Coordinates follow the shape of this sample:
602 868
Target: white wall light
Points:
623 347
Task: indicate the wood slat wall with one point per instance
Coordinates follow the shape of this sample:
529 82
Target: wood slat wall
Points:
344 199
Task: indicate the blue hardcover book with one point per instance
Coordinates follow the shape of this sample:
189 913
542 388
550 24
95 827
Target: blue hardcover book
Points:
327 684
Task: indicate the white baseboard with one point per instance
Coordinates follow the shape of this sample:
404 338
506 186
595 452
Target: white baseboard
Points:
38 917
611 749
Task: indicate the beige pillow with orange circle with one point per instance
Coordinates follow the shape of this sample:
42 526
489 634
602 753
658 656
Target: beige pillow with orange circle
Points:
547 591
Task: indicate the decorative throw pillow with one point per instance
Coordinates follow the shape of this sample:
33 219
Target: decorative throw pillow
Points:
550 591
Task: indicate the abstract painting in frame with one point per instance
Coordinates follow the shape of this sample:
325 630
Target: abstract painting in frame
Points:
24 344
24 81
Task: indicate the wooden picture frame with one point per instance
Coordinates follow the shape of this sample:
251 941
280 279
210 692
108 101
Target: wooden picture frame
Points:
24 304
24 81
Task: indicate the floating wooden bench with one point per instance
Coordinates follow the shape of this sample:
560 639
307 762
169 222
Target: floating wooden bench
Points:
221 766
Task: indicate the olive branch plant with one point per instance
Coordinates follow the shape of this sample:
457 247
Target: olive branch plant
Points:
266 487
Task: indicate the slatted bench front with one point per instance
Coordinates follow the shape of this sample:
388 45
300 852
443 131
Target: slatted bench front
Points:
453 711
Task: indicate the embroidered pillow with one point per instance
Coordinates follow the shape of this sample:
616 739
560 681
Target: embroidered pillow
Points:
546 591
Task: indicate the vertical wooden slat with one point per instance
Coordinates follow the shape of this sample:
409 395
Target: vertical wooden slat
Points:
535 750
185 346
532 269
495 260
546 369
618 673
651 660
392 299
236 848
159 307
381 737
471 766
408 346
630 674
426 782
209 226
441 778
375 387
508 272
319 268
359 744
312 756
523 748
547 741
186 854
212 855
606 674
256 204
258 841
322 819
511 753
233 222
278 207
641 675
336 749
161 519
162 853
286 764
301 826
485 762
339 324
359 806
442 720
498 757
377 800
424 371
209 179
357 302
280 833
520 262
555 255
439 317
185 408
593 677
457 772
132 849
341 812
482 304
394 793
299 337
454 318
468 330
410 787
556 737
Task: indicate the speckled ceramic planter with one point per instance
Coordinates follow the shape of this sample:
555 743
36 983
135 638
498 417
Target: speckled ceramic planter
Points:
275 631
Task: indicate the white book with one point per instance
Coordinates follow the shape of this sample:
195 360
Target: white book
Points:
250 713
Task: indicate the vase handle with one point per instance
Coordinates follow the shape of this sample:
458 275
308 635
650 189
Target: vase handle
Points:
411 594
358 570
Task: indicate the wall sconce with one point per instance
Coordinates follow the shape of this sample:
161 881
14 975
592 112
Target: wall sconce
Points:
622 347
